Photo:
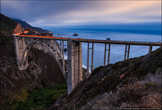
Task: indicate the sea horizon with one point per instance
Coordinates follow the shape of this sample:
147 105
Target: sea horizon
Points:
117 51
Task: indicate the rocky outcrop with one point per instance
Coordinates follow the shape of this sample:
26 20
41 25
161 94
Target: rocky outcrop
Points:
129 84
18 29
139 94
42 71
26 25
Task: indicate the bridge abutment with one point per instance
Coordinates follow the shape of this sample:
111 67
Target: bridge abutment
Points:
75 75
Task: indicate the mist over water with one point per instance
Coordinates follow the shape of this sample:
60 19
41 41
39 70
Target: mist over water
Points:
117 51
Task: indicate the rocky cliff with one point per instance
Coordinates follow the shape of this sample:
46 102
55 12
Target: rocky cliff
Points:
25 25
135 83
15 85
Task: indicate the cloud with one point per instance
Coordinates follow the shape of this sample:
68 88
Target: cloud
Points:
77 12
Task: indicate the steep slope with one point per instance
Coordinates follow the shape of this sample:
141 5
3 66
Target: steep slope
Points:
25 25
16 85
6 25
133 83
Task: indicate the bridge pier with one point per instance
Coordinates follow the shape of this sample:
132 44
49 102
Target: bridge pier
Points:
127 52
107 51
75 74
20 46
150 49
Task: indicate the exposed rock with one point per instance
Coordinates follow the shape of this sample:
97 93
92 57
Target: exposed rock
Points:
75 34
42 71
136 95
124 84
18 29
36 75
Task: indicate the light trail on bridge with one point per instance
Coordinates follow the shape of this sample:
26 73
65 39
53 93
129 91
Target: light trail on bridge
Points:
94 40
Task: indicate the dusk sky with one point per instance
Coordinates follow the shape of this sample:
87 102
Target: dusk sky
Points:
83 12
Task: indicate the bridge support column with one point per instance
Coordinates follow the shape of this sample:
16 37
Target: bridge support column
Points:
20 48
127 52
74 65
150 49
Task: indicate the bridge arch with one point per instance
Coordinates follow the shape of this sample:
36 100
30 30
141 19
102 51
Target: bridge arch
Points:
46 48
73 74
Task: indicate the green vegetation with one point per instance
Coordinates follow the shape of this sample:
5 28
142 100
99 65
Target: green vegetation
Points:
37 99
150 85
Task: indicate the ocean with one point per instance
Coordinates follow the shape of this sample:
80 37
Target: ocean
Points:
117 51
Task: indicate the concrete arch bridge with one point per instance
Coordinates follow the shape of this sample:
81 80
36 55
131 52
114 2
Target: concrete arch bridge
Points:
72 69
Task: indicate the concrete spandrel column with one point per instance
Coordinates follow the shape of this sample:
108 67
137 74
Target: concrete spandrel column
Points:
20 46
52 44
74 65
16 41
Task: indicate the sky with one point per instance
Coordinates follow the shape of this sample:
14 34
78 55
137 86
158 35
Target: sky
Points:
83 12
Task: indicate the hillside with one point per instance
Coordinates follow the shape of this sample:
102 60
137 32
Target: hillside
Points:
133 83
6 25
31 89
25 25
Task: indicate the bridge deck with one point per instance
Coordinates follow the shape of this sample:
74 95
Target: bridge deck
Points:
95 41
